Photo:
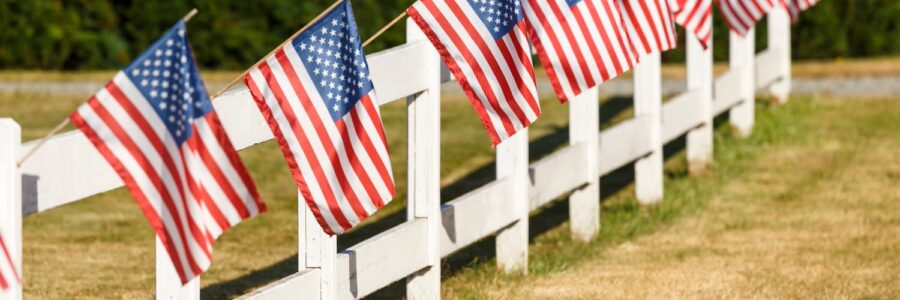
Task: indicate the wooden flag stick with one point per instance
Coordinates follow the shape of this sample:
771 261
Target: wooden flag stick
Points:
189 15
288 40
65 122
385 28
44 140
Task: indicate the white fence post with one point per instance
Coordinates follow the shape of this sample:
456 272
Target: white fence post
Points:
424 170
700 77
314 248
512 241
779 37
328 256
11 199
741 56
648 171
168 283
584 203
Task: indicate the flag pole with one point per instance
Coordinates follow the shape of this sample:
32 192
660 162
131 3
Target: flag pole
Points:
385 28
66 121
189 15
288 40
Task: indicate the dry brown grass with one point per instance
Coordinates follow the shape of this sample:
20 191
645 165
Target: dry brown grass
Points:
817 218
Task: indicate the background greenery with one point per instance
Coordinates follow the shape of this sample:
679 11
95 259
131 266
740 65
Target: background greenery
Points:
232 34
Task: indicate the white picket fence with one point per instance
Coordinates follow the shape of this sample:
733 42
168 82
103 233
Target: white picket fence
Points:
68 169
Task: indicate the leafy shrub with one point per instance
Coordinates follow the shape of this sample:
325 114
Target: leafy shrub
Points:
233 34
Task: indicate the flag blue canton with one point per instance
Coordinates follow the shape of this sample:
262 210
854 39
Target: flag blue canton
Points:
333 55
573 2
166 75
499 16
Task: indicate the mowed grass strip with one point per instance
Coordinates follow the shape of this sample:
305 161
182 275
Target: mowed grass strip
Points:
804 208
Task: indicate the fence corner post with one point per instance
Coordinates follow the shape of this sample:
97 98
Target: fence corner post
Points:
584 203
424 170
328 256
648 170
315 249
779 39
741 57
11 200
512 241
700 77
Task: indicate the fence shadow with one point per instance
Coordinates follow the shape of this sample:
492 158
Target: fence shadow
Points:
550 216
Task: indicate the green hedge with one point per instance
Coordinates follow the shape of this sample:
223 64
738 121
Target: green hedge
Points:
232 34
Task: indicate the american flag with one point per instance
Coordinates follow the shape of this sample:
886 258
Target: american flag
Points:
741 15
317 96
484 44
155 125
696 16
9 277
649 24
581 43
795 7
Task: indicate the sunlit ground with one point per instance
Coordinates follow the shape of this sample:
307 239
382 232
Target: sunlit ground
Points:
813 192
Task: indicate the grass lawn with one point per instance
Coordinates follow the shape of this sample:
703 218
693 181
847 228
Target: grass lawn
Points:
103 246
807 207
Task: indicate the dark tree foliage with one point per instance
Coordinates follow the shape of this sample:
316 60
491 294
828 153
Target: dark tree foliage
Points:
233 34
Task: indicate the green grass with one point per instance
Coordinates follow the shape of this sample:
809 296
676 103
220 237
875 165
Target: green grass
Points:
622 218
804 208
804 124
103 247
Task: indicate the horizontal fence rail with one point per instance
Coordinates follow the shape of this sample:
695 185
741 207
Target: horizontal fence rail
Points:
69 169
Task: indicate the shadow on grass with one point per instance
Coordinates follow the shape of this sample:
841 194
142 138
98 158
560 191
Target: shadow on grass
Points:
548 217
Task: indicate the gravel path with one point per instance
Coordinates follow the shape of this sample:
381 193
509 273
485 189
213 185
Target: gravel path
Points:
881 86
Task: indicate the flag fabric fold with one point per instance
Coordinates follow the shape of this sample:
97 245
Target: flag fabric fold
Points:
741 15
9 277
155 125
485 46
316 94
581 43
695 16
795 7
649 25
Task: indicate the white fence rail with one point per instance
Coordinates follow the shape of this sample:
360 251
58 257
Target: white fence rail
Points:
68 169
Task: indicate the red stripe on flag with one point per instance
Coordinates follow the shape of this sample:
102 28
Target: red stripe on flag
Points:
491 61
197 145
607 40
524 59
169 161
573 44
520 86
304 143
666 25
625 43
458 73
557 48
366 141
323 136
135 190
592 44
238 166
12 266
152 175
